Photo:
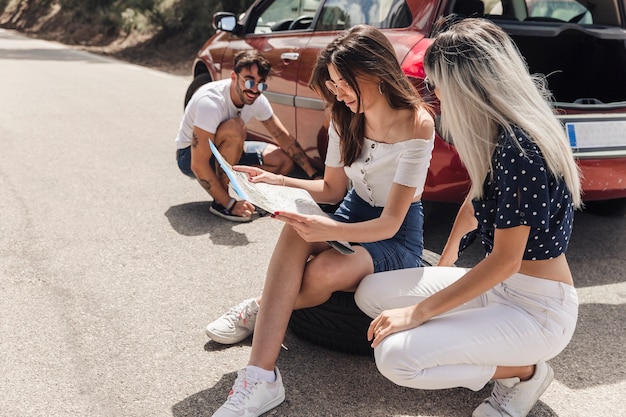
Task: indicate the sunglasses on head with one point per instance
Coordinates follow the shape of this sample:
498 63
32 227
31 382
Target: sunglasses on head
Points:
430 86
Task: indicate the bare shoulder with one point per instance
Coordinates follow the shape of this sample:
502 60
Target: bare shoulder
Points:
413 124
424 124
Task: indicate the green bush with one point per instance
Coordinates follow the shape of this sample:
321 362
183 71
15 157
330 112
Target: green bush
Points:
189 18
193 17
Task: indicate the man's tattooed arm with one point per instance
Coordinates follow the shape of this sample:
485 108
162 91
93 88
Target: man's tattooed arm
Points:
290 145
210 183
296 153
206 184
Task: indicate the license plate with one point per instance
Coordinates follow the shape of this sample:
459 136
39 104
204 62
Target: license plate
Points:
605 134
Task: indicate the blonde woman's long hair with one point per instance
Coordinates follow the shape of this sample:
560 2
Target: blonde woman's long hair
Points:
484 85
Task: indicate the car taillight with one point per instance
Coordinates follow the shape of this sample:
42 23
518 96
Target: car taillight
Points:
413 64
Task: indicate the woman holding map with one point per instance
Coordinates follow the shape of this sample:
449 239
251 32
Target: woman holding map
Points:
381 136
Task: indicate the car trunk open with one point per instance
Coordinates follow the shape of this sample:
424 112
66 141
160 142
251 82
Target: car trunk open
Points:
582 64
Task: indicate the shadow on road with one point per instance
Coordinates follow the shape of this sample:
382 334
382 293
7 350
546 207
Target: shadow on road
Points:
321 382
596 251
194 219
204 403
191 219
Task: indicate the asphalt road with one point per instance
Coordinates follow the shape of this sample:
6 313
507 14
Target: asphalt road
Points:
111 266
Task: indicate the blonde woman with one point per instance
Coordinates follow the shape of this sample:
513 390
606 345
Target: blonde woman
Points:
444 327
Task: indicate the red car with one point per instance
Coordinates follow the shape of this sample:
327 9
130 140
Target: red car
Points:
580 46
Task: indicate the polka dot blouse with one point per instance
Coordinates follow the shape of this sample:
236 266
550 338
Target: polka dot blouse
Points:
524 192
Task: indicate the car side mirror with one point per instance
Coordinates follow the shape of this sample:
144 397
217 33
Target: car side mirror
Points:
224 21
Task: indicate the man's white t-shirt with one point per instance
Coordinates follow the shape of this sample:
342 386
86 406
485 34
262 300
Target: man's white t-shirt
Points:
211 105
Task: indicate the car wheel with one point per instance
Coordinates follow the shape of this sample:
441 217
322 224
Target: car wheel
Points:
338 324
197 82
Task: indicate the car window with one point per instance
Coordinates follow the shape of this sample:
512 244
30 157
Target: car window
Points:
284 15
382 14
541 10
558 10
493 7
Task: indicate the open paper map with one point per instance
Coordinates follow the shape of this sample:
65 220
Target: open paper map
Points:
272 198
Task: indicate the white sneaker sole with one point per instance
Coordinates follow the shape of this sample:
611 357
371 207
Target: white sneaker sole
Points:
274 403
225 339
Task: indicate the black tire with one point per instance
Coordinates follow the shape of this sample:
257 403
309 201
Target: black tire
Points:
338 324
197 82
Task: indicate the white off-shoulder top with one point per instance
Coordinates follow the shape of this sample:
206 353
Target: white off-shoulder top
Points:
381 164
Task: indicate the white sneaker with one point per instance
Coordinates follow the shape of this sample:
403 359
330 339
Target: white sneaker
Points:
251 397
236 324
512 398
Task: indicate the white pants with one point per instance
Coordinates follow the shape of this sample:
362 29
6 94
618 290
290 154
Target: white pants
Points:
522 321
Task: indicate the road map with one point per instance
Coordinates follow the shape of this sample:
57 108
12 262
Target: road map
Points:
273 198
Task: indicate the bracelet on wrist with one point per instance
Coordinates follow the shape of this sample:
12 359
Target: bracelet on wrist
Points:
229 206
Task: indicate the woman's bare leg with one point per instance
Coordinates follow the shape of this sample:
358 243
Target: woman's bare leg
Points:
524 373
282 284
331 271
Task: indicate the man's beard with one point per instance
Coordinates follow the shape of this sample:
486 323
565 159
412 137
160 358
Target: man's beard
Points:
243 95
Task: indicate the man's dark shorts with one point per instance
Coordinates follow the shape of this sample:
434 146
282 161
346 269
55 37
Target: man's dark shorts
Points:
252 155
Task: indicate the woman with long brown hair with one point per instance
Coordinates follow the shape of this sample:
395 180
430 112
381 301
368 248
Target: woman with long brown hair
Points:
380 141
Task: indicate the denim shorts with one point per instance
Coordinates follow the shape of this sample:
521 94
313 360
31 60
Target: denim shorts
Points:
252 155
403 250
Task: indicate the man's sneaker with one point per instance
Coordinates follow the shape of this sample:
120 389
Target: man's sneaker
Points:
512 398
251 397
220 210
236 324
